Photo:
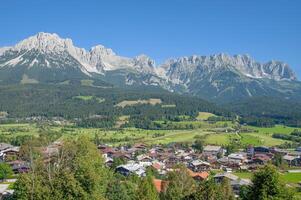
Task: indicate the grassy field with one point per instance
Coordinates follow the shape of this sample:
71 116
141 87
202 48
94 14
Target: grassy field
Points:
288 178
139 101
89 98
87 82
254 136
204 115
27 80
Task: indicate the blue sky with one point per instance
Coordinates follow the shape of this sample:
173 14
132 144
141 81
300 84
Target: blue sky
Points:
265 29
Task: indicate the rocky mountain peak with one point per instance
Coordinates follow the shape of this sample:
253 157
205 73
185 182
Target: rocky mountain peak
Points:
46 42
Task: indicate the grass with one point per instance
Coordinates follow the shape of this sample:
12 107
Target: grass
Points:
89 98
204 116
139 101
218 139
244 175
259 136
87 82
27 80
291 177
288 178
84 98
168 106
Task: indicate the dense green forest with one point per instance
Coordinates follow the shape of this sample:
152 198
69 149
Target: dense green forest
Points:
99 107
268 111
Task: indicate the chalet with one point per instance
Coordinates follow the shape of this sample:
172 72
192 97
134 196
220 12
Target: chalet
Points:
141 146
240 157
261 149
218 178
19 166
212 150
9 154
198 176
4 146
235 182
144 158
131 168
261 159
199 166
292 160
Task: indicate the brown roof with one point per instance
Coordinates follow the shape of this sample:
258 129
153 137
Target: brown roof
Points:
202 175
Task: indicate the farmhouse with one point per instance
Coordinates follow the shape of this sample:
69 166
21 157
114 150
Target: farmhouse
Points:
212 150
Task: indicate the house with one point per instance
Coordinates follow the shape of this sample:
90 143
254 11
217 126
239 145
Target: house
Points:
144 158
261 159
4 146
199 166
261 149
235 182
198 176
210 150
238 183
10 153
19 166
292 160
218 178
131 168
250 151
240 157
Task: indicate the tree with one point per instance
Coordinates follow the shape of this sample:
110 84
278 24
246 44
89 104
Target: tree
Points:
226 190
5 171
147 190
121 190
180 184
209 190
199 145
267 185
76 172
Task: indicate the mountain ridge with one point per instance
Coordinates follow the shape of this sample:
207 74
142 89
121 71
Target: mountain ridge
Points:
217 76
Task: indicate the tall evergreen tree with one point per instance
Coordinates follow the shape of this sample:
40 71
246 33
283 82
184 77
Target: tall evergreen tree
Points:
267 185
147 190
180 184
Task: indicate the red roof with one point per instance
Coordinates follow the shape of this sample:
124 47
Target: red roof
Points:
202 175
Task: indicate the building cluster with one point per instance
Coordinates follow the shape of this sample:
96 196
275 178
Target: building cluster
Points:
212 161
139 157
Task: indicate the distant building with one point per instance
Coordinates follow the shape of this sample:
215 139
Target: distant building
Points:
235 182
199 166
261 149
131 168
210 150
292 160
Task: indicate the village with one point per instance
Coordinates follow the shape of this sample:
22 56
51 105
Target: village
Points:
209 162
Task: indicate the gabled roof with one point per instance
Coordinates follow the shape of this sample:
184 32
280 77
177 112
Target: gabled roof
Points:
230 176
212 148
202 175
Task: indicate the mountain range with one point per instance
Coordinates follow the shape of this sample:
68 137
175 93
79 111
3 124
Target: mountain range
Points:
47 58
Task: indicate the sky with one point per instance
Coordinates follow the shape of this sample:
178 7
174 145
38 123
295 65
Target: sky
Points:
162 29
